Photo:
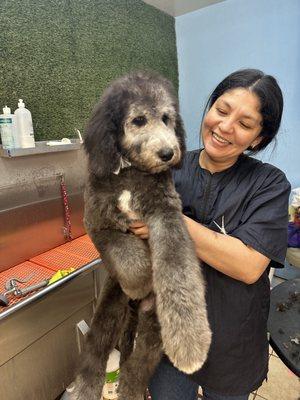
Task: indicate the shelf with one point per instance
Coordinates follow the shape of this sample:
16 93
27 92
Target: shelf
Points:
40 148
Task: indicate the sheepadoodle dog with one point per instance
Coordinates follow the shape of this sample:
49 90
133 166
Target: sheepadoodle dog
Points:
134 137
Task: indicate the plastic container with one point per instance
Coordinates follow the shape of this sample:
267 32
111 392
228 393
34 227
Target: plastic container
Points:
111 379
24 126
7 128
112 376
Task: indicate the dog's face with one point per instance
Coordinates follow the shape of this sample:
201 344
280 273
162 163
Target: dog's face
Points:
149 139
137 119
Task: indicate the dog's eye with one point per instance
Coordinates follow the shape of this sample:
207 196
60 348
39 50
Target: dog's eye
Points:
165 119
139 121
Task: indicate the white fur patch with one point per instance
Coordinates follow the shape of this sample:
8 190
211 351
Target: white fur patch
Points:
124 205
124 201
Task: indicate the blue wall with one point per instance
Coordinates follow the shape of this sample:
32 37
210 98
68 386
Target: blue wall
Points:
217 40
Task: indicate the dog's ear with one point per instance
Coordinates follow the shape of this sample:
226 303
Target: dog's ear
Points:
103 134
180 133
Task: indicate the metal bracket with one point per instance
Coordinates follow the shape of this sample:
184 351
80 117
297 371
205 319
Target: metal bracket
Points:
82 329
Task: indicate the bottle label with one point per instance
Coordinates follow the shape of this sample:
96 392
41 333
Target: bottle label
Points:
110 389
6 131
5 121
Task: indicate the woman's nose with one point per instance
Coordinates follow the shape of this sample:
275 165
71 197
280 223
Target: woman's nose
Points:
226 125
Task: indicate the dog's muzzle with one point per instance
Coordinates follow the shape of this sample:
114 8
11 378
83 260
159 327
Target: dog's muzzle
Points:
165 154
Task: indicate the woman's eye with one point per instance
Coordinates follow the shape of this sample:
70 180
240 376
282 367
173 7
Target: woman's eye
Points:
222 112
139 121
165 119
245 125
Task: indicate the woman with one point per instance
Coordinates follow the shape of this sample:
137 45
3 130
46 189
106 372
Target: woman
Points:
235 208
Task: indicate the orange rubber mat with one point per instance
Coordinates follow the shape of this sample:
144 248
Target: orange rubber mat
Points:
83 248
23 271
76 254
85 239
73 254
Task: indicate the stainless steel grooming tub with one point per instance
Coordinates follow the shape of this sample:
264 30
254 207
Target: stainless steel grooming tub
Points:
39 337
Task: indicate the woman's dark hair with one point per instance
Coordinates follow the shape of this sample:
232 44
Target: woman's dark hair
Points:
270 96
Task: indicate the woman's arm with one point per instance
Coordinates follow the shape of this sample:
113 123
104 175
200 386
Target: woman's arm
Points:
225 253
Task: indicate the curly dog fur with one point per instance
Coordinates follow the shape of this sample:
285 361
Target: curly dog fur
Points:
134 137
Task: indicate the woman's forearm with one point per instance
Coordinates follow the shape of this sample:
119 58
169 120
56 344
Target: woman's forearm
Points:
227 254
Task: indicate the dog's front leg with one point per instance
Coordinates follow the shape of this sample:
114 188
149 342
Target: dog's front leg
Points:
137 370
180 290
107 325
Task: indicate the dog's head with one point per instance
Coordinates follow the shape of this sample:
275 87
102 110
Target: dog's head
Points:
137 119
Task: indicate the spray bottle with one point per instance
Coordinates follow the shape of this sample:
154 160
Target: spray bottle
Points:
7 128
24 126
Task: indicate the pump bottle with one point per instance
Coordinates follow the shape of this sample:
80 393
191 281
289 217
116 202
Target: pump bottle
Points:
24 126
7 128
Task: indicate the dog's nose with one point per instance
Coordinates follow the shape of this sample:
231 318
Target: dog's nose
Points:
166 154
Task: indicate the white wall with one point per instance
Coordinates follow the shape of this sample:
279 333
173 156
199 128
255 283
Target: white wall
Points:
217 40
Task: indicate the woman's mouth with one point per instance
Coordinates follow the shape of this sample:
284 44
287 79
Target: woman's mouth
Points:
220 139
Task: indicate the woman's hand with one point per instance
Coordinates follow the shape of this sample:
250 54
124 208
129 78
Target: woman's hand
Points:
139 229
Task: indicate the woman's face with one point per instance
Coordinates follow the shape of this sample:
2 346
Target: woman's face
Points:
232 124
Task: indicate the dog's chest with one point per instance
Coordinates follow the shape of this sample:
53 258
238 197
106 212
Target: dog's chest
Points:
125 202
133 191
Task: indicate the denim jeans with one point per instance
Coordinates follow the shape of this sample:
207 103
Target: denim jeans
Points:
168 383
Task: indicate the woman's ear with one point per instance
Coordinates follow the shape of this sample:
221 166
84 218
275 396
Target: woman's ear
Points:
256 142
102 136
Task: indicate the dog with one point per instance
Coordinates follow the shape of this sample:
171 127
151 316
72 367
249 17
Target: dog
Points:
133 139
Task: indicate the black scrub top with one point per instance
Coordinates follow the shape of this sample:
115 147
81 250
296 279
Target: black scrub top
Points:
251 198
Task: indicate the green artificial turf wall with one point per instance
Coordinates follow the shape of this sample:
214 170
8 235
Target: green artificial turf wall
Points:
59 55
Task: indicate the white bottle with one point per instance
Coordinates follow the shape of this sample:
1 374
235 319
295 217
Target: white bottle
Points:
7 128
24 126
110 388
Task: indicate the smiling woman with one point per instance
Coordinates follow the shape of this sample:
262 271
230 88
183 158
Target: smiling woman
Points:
232 125
236 211
244 113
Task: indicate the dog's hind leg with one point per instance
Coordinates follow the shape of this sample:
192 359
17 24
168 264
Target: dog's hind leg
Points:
107 324
126 342
139 367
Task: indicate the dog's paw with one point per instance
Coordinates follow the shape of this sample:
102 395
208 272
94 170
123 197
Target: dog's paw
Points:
80 390
182 314
188 350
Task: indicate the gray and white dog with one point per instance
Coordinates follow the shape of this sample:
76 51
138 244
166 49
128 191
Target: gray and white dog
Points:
134 137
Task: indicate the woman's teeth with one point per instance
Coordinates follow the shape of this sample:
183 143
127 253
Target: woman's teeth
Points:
220 139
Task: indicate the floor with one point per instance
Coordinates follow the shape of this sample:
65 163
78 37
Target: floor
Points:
282 383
